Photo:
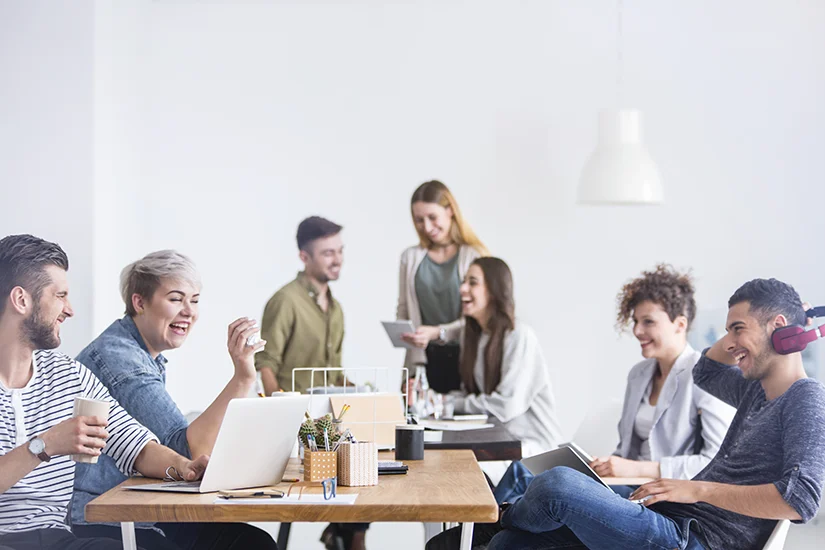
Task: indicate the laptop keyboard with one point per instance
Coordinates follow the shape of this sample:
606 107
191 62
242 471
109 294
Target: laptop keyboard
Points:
181 484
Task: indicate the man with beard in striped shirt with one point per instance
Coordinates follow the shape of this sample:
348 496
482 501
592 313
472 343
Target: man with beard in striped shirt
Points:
37 391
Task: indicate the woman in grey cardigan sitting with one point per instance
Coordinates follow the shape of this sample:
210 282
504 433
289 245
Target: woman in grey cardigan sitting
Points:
503 371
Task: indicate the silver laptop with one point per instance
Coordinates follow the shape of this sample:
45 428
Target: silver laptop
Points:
253 446
563 456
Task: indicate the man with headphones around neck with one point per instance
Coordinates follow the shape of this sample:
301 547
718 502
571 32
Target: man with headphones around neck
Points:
771 465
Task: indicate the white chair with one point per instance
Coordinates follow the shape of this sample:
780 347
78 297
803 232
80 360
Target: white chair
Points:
777 538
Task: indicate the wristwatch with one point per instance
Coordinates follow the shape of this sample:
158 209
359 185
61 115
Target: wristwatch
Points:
37 447
442 334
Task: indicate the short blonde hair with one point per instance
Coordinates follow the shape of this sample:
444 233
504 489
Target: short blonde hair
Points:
144 276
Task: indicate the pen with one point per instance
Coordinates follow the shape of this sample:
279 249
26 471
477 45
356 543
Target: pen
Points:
344 409
326 441
341 439
257 494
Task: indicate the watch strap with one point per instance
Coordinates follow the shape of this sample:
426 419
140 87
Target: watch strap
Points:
42 455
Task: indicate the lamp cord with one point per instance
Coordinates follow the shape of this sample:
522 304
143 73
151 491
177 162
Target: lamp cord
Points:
619 54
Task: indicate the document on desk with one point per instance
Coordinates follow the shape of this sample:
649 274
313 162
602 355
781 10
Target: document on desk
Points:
447 426
431 436
292 499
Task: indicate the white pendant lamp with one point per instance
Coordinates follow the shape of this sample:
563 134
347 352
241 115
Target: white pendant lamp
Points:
620 170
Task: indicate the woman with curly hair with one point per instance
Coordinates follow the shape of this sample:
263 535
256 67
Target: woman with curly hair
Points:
669 427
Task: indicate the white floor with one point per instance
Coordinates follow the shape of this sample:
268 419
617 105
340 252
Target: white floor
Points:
410 536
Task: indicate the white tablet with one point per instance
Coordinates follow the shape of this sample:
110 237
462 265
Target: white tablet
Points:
395 329
579 451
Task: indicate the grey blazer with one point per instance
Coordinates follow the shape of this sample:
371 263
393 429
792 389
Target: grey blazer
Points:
674 422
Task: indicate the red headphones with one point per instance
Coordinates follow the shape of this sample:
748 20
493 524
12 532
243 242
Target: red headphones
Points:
794 338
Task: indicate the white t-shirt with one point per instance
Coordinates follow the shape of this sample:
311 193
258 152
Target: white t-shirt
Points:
644 423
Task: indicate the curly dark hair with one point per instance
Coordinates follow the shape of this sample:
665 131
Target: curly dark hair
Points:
768 298
664 286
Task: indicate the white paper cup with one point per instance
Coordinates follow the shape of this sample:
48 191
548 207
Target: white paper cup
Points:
89 407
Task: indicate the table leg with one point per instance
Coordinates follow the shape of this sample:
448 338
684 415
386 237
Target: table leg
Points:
466 536
127 532
283 535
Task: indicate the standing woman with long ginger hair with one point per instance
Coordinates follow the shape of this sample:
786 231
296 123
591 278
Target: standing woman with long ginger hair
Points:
431 272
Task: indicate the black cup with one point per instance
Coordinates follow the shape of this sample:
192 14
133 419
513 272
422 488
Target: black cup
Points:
409 442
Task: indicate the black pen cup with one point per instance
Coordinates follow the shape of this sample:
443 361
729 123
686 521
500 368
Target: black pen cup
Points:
409 442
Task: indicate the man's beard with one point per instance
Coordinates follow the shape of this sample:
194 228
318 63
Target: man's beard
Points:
760 362
40 334
322 277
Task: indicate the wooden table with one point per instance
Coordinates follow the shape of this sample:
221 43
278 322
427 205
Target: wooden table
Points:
447 486
494 443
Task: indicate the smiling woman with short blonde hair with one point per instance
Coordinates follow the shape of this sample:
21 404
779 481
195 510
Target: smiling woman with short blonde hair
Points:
144 276
161 292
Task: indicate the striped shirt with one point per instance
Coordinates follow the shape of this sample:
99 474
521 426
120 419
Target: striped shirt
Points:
40 500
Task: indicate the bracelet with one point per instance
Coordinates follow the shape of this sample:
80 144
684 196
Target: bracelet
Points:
170 477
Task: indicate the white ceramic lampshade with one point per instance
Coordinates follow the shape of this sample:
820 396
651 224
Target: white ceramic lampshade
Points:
620 170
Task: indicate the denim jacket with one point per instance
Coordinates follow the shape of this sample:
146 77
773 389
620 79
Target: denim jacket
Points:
120 359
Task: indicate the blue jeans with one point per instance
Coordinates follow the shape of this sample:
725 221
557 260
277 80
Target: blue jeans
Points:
563 508
515 480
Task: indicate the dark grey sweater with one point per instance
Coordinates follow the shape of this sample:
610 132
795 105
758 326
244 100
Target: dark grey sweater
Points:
780 441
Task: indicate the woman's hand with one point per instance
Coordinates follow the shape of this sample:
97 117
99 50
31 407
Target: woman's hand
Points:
616 466
192 470
422 336
243 356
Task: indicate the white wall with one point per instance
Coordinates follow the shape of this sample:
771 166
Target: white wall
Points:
46 138
215 127
251 117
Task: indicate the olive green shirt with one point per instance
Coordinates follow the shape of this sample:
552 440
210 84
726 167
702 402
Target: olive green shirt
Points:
299 334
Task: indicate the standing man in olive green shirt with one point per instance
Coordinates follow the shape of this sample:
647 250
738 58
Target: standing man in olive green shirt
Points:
303 325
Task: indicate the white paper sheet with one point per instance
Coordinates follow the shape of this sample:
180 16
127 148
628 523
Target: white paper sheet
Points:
452 426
